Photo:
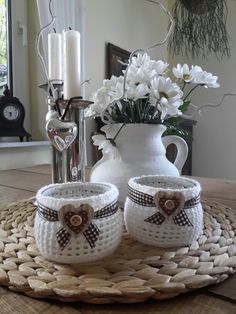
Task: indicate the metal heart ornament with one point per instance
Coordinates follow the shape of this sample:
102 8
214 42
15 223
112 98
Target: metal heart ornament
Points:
76 220
61 133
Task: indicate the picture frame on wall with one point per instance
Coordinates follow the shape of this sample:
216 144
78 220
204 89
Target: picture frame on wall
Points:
114 56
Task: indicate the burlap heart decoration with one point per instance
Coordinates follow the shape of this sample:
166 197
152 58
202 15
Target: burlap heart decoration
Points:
76 219
169 203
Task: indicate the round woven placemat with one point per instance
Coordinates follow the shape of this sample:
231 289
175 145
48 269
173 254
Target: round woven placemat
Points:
134 273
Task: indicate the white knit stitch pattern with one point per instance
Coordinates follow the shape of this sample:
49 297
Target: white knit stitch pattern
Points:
78 250
168 234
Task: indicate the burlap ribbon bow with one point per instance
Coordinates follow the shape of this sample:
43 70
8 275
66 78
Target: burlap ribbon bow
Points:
76 221
170 205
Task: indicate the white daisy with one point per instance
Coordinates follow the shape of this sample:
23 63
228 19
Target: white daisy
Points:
166 96
183 73
206 79
146 79
143 69
105 95
136 91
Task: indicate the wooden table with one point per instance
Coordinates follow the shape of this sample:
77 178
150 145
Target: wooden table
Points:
23 183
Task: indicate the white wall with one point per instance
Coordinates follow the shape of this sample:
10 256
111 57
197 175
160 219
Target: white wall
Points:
214 145
21 155
129 24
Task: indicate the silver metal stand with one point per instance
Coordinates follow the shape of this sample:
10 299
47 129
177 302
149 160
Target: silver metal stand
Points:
58 172
69 165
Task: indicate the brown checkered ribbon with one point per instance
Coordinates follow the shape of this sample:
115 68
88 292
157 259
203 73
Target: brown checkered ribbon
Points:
159 217
84 214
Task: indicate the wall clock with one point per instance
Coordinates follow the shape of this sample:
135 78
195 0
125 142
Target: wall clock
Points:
12 114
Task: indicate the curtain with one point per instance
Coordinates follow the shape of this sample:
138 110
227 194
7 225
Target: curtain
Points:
68 14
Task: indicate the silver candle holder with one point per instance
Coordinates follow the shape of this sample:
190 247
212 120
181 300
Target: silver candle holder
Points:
67 163
72 164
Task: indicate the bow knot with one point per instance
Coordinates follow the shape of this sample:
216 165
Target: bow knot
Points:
76 221
170 205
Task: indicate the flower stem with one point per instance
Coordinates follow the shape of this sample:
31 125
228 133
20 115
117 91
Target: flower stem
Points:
191 91
131 108
145 111
114 138
138 105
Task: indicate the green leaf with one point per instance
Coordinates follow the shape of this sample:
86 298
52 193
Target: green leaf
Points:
177 130
185 106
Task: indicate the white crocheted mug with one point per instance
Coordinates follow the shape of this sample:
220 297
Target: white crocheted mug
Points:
164 211
77 222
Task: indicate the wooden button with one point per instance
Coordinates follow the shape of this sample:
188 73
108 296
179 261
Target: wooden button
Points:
169 204
76 220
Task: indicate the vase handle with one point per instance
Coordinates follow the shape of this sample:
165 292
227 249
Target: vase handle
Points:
182 149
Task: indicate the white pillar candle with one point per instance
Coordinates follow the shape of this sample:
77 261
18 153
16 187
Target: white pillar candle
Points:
71 43
54 57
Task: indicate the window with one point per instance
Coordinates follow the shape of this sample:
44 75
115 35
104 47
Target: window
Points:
14 54
5 45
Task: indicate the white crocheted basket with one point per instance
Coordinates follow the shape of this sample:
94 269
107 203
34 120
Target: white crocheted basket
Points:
164 211
77 222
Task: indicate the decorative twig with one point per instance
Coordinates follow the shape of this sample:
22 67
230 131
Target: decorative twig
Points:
169 31
189 117
85 82
171 26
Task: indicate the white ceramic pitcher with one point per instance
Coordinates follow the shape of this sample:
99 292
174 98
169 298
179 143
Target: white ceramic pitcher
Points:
140 150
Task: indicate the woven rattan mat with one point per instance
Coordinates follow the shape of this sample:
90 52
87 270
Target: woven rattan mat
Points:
134 273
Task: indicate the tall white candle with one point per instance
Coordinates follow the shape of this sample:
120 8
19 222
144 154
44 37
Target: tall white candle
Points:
71 43
54 57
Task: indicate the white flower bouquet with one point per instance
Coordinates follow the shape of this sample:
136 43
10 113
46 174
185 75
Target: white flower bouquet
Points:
146 94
